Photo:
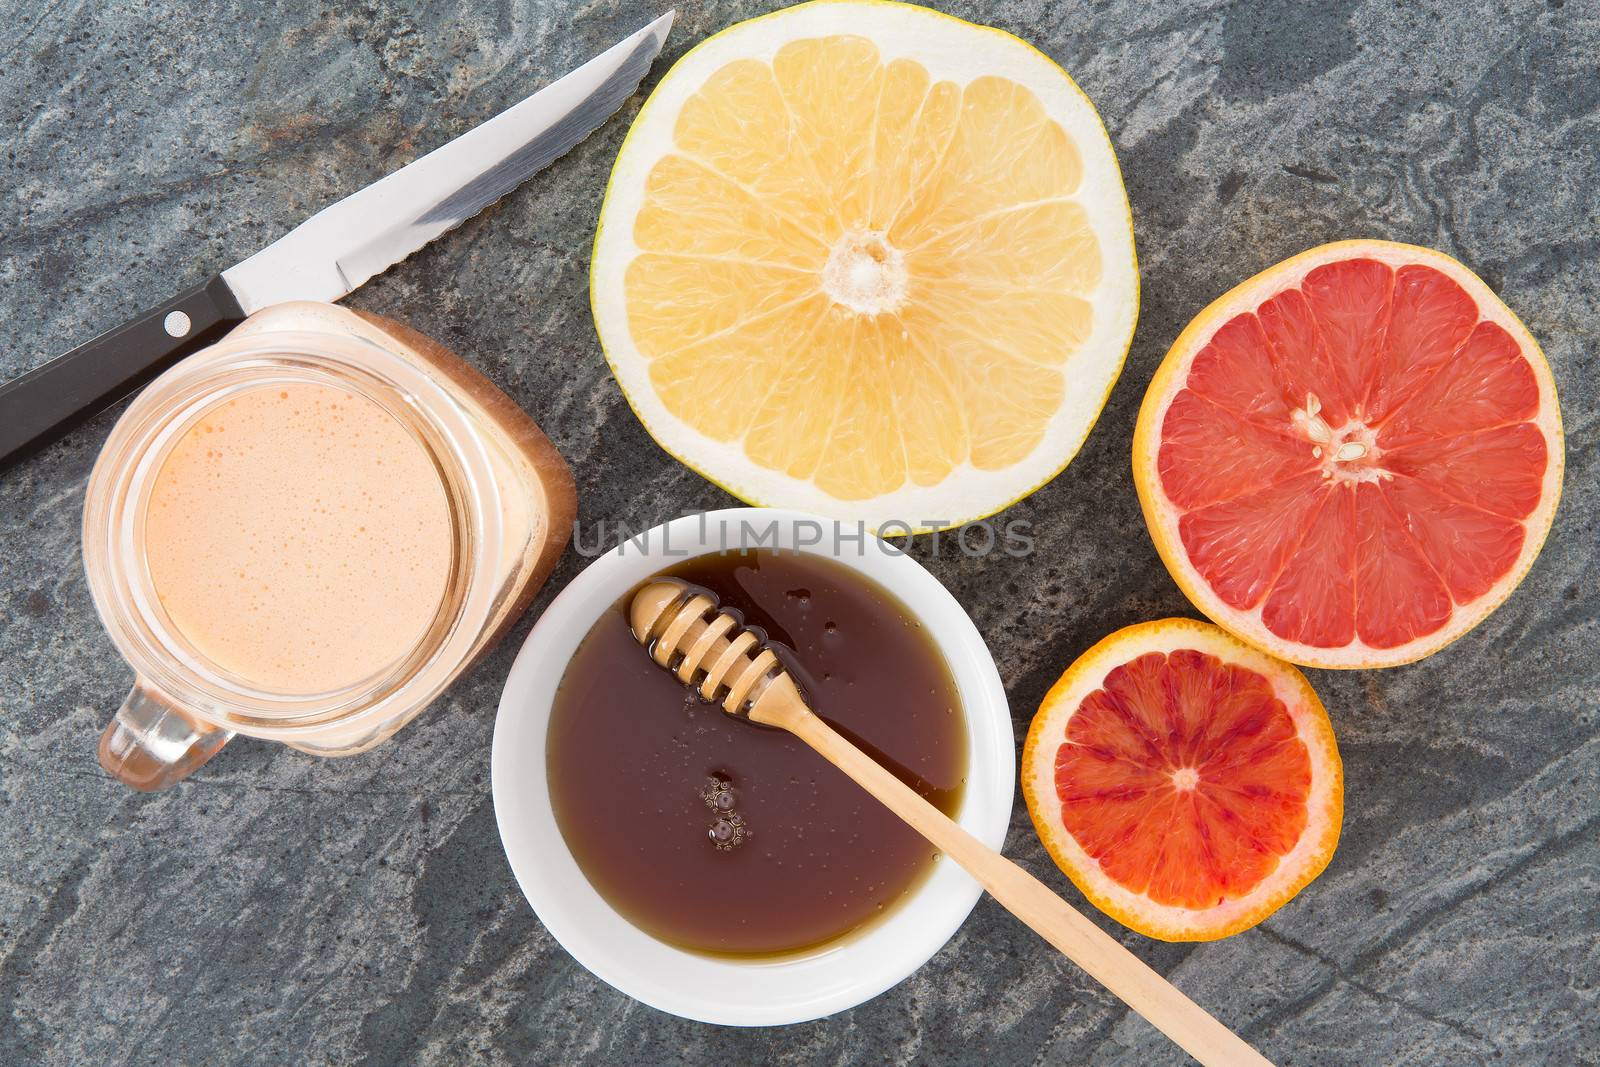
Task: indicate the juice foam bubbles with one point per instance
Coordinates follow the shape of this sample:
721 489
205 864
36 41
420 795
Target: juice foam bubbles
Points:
299 538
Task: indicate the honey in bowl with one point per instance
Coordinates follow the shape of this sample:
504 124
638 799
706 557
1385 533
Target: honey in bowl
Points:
725 837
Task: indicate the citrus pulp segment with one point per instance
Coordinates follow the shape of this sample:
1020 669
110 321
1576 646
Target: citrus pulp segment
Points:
868 260
1187 783
1352 458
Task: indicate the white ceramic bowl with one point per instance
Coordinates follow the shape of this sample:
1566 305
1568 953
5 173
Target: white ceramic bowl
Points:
734 992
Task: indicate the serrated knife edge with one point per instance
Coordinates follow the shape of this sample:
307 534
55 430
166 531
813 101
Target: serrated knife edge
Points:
341 247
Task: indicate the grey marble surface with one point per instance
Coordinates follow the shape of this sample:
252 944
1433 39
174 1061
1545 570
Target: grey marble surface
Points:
279 909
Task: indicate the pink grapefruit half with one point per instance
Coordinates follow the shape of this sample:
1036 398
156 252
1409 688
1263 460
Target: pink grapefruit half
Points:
1352 458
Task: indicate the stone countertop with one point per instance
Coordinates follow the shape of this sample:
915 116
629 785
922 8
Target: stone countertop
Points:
278 908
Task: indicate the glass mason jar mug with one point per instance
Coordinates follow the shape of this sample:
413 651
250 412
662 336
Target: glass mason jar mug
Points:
264 573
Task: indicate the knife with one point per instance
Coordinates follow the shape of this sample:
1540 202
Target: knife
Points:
334 251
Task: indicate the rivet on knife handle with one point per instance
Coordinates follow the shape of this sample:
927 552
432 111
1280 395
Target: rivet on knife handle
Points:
51 399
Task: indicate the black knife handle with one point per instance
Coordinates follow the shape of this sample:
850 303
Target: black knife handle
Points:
49 400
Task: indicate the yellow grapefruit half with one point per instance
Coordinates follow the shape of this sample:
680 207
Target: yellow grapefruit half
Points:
868 260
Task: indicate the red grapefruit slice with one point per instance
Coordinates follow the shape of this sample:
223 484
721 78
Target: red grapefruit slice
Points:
1188 784
1352 458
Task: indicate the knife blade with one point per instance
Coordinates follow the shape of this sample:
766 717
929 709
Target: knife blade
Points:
335 251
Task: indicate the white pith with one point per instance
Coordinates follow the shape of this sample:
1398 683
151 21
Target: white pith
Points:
950 50
866 274
1164 515
1348 454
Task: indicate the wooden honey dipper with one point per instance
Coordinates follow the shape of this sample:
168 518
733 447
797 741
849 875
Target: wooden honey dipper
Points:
684 631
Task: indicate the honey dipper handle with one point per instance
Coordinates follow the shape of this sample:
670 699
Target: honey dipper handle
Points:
1030 900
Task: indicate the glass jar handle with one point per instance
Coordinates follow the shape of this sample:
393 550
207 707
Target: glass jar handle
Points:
151 744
